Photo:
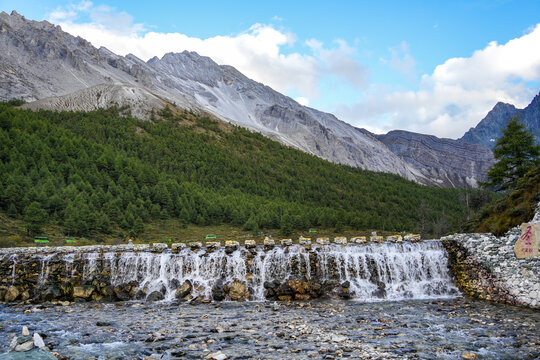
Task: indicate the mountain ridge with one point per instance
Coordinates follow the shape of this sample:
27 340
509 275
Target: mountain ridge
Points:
489 129
44 61
455 163
41 62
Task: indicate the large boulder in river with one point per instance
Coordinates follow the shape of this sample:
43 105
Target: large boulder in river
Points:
184 290
238 291
51 293
122 292
84 292
155 296
218 293
12 294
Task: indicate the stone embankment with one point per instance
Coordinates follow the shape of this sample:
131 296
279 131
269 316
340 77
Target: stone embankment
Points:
486 267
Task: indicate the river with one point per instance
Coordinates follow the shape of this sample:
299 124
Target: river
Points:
411 329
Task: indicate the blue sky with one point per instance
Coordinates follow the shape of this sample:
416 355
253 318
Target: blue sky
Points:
429 66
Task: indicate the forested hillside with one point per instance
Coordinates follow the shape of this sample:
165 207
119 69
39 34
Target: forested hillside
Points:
100 172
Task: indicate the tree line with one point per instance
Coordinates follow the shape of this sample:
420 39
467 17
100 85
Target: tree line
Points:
97 172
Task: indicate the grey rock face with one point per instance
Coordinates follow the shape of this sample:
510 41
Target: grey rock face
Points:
447 162
490 128
39 60
140 101
41 63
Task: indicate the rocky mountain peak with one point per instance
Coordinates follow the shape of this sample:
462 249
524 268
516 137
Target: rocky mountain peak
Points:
456 163
535 103
39 60
501 106
15 14
490 128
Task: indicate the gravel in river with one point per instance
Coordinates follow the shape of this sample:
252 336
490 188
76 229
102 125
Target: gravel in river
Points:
421 329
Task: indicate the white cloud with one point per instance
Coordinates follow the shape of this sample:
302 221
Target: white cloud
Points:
302 100
459 92
402 61
256 52
454 97
340 62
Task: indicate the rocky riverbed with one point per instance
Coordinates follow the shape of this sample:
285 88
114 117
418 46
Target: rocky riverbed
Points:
422 329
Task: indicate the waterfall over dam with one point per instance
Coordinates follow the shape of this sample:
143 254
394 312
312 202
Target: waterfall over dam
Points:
371 272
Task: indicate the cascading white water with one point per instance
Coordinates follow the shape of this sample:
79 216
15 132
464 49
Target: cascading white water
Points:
14 259
394 271
44 274
370 272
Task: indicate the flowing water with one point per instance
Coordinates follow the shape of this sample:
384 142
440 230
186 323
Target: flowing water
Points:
372 272
408 329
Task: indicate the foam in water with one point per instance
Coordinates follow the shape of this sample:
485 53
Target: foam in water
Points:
372 272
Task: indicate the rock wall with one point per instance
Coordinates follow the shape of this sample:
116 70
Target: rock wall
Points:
486 267
106 273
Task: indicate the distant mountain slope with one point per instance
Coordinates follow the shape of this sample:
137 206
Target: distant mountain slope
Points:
141 103
455 163
39 60
490 128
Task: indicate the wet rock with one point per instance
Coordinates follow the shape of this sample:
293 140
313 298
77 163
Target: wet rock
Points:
3 292
103 323
299 287
155 337
381 290
469 356
339 338
231 246
122 292
12 344
345 293
269 244
52 292
26 346
38 341
25 331
218 293
141 294
155 296
216 356
218 329
12 294
183 290
25 295
195 245
83 292
238 291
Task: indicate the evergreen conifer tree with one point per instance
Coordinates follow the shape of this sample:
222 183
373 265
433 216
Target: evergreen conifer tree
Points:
35 217
516 152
